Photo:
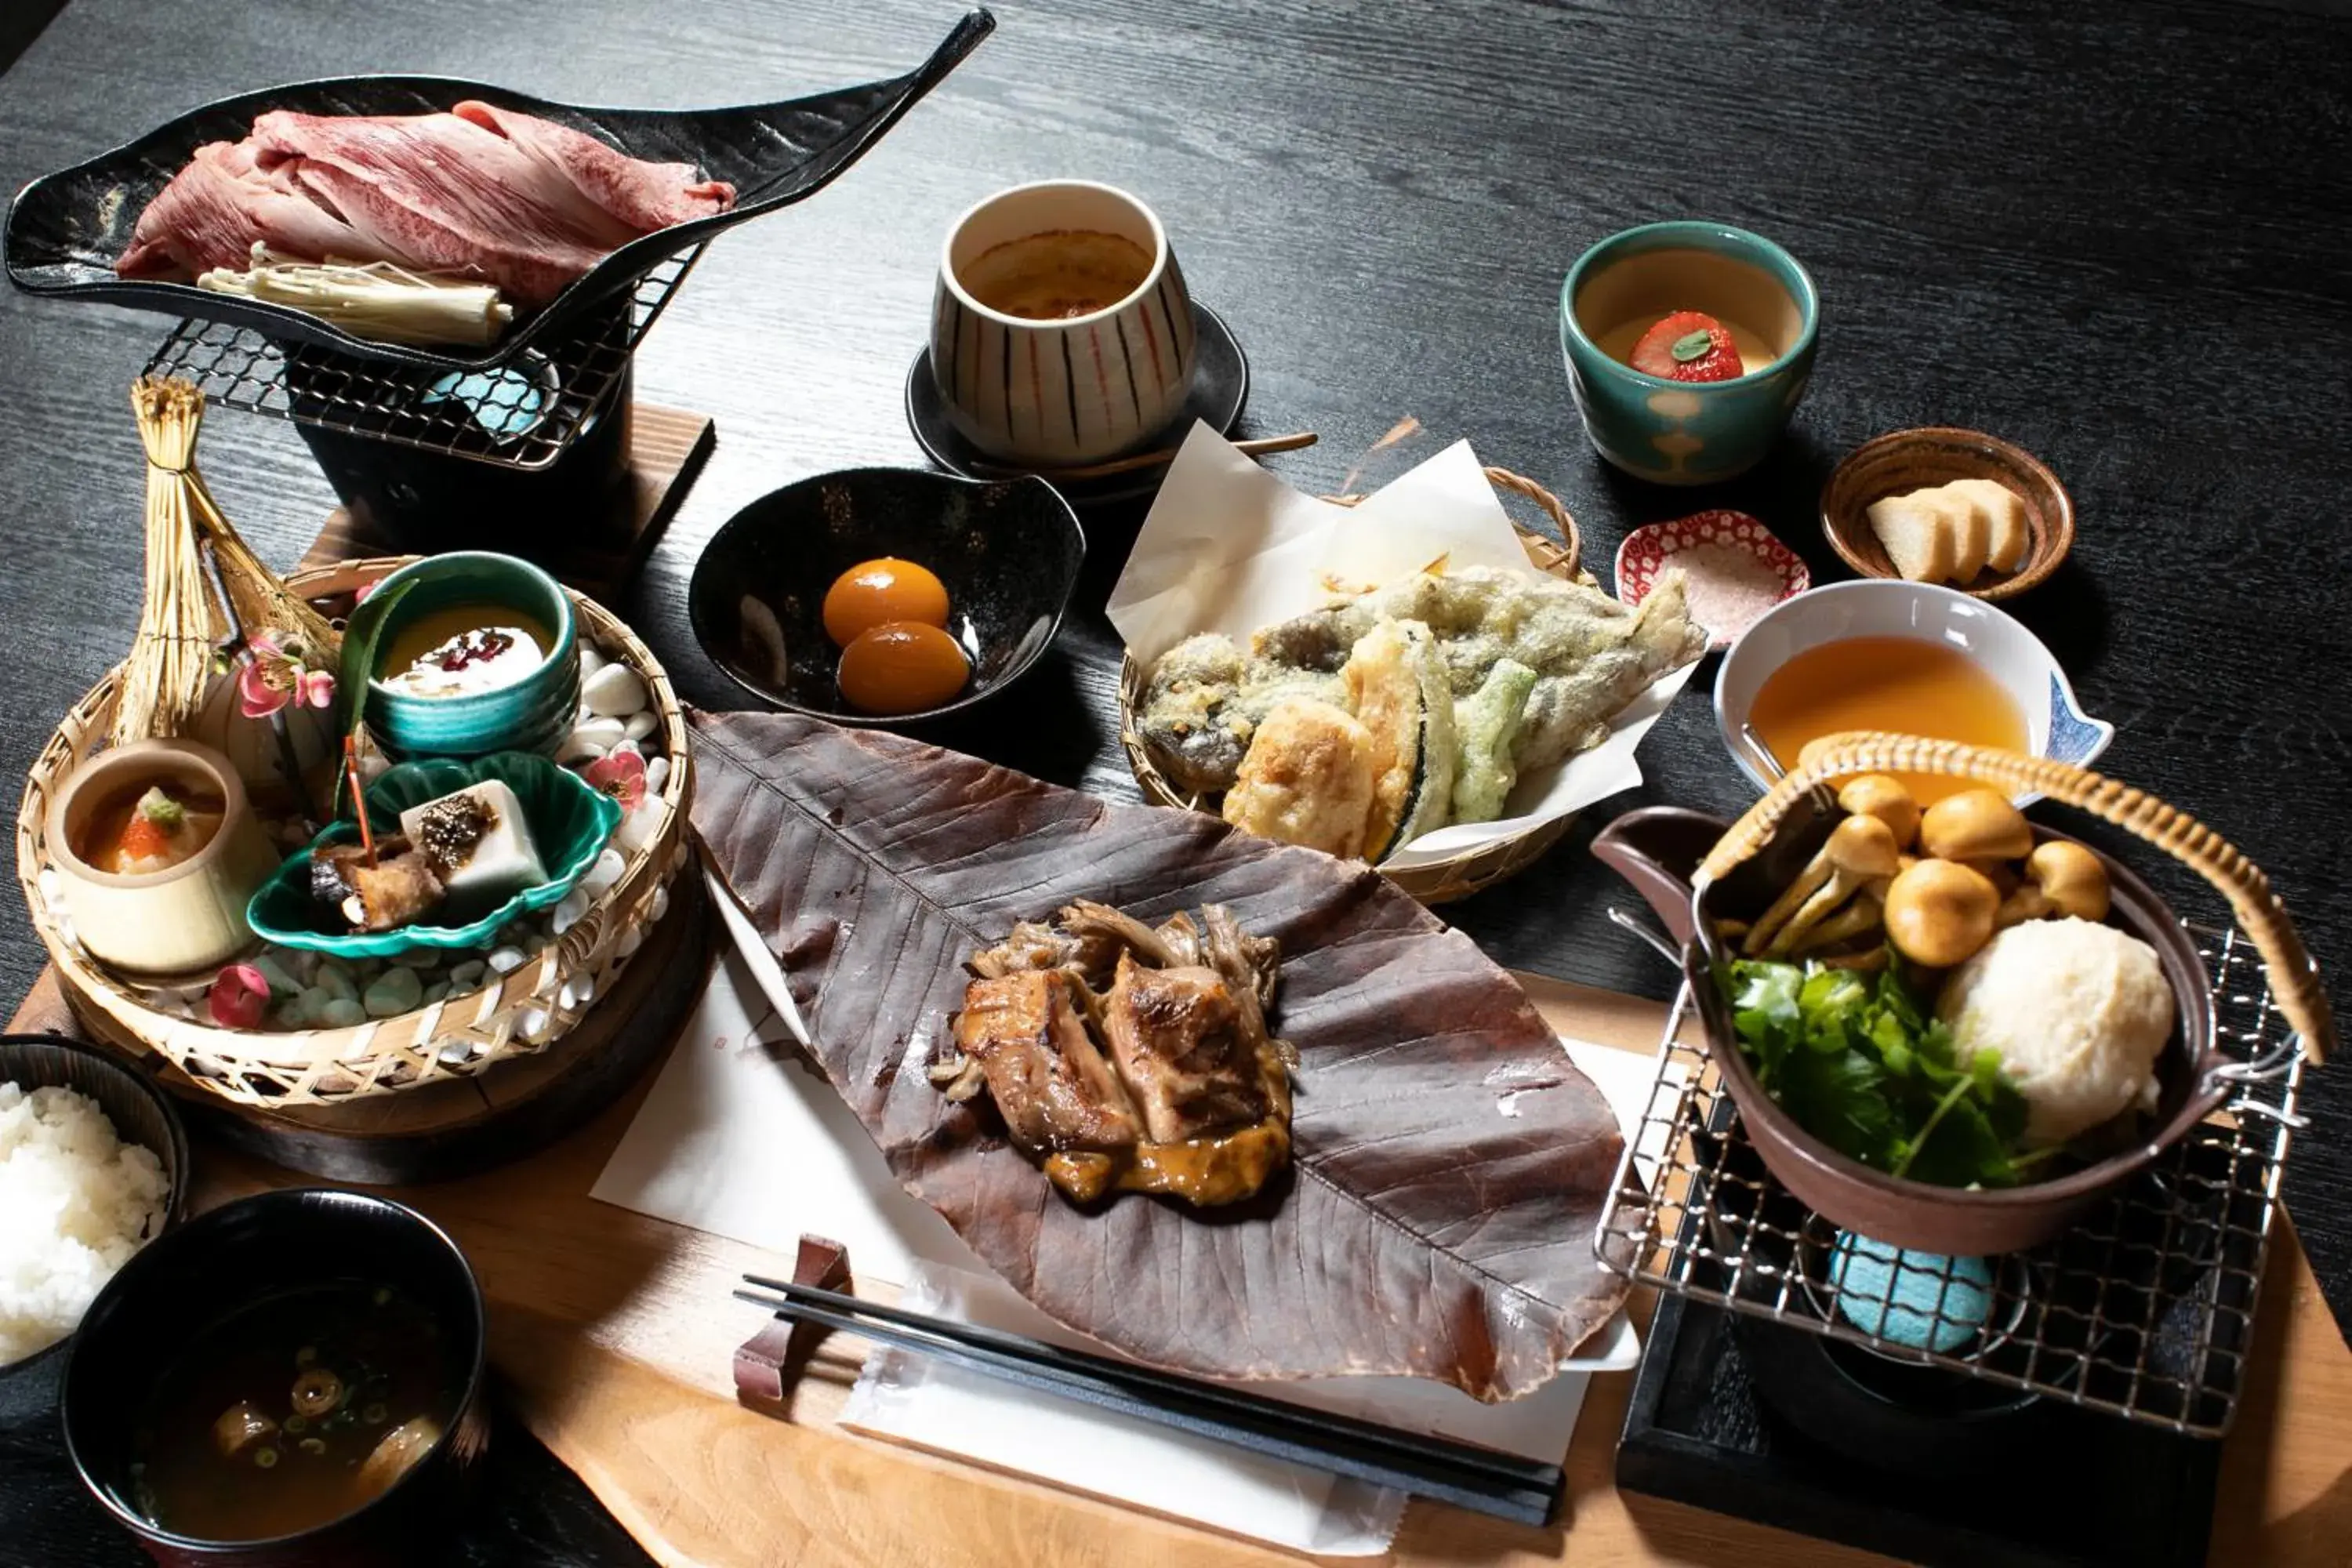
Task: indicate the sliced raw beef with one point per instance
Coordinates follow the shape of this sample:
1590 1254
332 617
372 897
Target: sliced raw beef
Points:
213 211
645 196
482 193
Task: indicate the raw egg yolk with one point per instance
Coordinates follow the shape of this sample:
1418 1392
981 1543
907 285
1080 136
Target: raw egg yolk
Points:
886 589
901 667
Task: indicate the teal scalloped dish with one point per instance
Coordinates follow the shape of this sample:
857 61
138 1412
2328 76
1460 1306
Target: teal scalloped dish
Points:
570 819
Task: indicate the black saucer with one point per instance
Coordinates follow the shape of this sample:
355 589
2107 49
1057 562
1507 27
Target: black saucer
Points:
1220 387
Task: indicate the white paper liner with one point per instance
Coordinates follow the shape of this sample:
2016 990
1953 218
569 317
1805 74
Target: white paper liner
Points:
1230 547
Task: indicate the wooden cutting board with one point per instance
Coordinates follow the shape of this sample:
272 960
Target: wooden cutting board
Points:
614 1333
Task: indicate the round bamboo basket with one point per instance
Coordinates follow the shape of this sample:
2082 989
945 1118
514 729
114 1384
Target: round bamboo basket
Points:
513 1014
1456 875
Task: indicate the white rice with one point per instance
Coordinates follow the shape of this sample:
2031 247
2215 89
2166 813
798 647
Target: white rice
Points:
74 1202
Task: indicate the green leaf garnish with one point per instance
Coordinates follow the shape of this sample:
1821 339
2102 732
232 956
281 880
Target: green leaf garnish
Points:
162 810
1861 1066
361 634
1690 346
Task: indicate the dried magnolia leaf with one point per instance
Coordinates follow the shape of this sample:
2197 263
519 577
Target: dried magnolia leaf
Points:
1450 1161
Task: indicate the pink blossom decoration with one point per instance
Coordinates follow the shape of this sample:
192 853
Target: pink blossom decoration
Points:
278 674
239 997
621 775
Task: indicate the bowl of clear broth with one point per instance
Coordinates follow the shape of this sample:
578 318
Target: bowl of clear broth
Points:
1908 658
294 1378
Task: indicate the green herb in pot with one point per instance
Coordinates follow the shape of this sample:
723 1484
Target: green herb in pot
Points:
1859 1065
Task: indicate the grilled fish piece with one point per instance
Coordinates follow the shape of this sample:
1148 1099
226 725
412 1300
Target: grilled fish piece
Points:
1177 1038
1054 1091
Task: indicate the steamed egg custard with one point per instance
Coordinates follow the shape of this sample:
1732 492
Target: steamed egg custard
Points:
462 650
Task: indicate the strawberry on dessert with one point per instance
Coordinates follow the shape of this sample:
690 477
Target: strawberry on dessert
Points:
1688 345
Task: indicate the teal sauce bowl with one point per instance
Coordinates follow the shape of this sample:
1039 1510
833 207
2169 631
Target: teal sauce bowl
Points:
532 715
570 819
1676 432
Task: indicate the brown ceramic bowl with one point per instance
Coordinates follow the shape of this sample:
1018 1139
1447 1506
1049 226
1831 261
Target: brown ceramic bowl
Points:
1656 848
1904 460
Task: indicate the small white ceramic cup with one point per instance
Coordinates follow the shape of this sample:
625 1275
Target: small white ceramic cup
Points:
1061 393
188 918
1996 641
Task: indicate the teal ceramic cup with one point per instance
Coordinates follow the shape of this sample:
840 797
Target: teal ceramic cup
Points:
1675 432
532 715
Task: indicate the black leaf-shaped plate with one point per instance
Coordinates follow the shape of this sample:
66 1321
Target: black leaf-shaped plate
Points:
65 230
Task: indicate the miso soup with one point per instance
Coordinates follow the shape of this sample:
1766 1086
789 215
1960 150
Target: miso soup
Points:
292 1413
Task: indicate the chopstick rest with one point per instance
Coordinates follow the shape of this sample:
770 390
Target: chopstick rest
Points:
771 1360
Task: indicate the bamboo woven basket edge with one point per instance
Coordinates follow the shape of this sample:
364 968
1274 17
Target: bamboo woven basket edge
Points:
517 1014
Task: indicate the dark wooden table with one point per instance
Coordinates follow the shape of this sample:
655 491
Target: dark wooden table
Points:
2118 236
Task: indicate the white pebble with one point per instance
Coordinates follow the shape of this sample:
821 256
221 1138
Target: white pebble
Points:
659 906
641 724
568 912
602 734
469 974
630 941
614 690
606 871
342 1013
532 1026
574 749
457 1053
336 981
625 745
507 960
656 775
567 996
393 992
276 976
591 661
637 829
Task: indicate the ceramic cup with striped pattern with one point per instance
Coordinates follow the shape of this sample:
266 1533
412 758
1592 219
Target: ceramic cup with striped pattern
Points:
1096 377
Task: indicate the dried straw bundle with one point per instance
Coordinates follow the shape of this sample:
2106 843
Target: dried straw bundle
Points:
171 663
183 620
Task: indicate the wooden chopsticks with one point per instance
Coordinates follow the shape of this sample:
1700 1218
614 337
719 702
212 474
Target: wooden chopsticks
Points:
1482 1480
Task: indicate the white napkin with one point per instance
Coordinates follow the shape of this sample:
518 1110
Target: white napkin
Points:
740 1137
1230 547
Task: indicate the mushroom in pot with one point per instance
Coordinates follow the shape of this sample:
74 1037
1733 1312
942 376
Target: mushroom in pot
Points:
1859 850
1881 795
2063 879
1975 825
1940 912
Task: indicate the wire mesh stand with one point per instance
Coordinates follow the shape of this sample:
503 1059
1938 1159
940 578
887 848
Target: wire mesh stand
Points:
2144 1310
524 415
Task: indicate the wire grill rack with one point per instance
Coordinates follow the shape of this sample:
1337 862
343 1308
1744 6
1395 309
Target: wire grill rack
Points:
522 416
2144 1310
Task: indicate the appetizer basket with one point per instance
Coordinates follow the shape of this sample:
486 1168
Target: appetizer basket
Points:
514 1013
2197 1077
1435 882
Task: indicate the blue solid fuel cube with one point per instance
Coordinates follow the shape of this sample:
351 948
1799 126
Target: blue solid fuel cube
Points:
1918 1299
504 402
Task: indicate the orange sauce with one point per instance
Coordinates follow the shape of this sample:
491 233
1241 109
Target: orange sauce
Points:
1908 684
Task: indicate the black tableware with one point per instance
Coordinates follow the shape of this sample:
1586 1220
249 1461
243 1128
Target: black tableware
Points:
141 1115
1007 552
65 230
1220 387
241 1254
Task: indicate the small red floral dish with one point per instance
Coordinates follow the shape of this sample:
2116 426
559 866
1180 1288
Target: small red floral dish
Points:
1734 569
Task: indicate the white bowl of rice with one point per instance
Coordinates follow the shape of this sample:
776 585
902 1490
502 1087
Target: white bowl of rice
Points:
93 1163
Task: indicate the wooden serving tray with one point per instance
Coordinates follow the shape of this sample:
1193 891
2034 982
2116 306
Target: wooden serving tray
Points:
613 1332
